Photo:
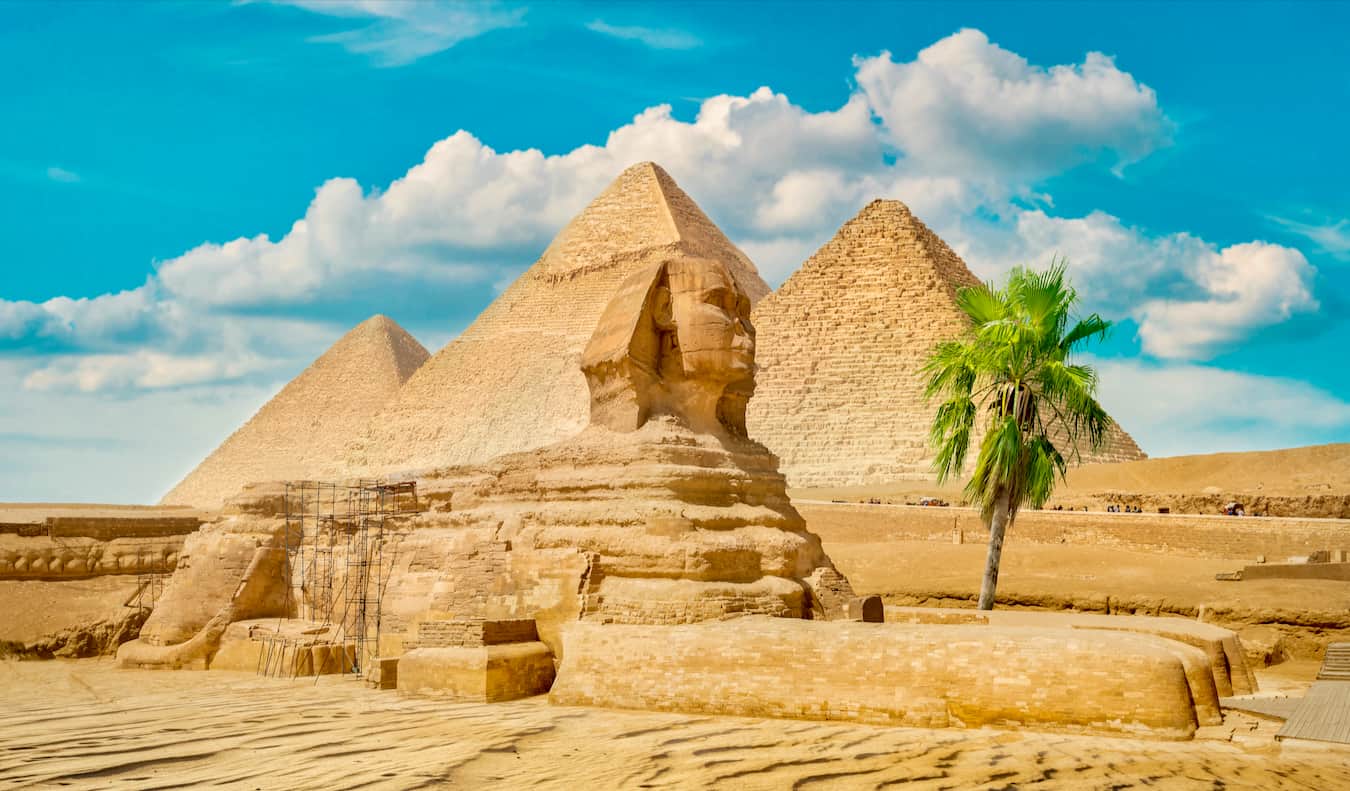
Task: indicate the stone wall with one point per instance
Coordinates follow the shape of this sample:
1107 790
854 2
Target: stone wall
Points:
68 544
928 676
1200 536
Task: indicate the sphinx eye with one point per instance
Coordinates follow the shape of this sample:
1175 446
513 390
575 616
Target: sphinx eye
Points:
743 307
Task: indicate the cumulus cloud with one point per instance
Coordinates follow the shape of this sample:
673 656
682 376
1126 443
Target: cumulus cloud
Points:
656 38
1189 298
956 133
967 105
1174 409
142 370
398 32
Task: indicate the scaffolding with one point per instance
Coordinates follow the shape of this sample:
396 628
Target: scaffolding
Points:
334 539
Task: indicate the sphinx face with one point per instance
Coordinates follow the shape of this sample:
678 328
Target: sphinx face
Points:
712 320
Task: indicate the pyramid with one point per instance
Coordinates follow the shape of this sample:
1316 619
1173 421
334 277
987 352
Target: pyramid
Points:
303 430
841 345
512 381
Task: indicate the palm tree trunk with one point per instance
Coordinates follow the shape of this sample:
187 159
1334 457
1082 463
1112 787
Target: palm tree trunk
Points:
998 526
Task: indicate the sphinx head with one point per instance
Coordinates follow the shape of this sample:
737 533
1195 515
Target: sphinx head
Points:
675 340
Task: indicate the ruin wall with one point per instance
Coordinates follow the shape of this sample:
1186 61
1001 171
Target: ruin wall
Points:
1224 537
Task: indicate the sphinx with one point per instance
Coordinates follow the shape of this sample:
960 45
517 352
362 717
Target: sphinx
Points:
661 511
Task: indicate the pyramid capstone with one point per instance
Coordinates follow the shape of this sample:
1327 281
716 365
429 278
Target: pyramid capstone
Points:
841 346
302 431
512 381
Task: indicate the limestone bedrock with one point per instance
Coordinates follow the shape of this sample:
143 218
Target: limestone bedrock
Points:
891 674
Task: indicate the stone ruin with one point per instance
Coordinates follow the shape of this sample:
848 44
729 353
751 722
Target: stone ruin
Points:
661 512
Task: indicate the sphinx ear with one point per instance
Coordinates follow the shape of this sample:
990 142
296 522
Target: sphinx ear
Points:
662 314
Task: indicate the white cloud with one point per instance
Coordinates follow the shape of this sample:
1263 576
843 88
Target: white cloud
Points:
656 38
139 370
62 446
398 32
62 175
955 134
1189 298
966 105
1331 237
1179 409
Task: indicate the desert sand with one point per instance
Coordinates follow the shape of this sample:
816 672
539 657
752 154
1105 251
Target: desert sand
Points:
92 726
1308 481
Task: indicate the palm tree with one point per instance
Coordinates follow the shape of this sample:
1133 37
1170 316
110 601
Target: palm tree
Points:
1013 366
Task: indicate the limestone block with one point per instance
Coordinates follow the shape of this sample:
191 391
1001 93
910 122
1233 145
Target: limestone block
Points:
920 676
868 609
477 674
1221 647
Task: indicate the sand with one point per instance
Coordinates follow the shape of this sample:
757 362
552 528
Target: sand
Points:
36 608
84 724
1294 472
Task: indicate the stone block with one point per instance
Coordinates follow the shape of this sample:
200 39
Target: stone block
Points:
482 674
914 676
867 609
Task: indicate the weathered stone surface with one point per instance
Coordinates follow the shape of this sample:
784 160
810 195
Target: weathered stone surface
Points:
840 394
300 434
230 571
512 381
916 676
477 674
662 511
1224 650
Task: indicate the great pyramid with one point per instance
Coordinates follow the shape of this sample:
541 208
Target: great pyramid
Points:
512 381
302 431
841 344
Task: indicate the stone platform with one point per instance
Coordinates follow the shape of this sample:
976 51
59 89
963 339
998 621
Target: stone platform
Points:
889 674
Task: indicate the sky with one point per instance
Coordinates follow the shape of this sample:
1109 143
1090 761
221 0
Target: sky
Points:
199 198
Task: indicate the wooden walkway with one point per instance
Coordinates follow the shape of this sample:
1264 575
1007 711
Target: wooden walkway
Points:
1324 714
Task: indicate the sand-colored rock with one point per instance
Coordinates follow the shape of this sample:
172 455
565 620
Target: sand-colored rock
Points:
512 381
232 570
302 431
661 512
924 676
840 393
1225 651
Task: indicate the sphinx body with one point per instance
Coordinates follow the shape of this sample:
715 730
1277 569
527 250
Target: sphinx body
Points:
661 511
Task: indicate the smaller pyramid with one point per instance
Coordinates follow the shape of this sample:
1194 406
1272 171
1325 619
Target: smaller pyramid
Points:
301 432
841 348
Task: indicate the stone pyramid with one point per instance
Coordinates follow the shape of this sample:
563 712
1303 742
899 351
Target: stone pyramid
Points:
302 431
512 381
841 344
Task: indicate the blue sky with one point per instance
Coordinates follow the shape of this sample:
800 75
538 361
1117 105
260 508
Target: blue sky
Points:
158 159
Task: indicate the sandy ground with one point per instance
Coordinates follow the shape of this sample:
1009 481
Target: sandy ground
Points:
1068 572
34 608
1295 472
84 724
